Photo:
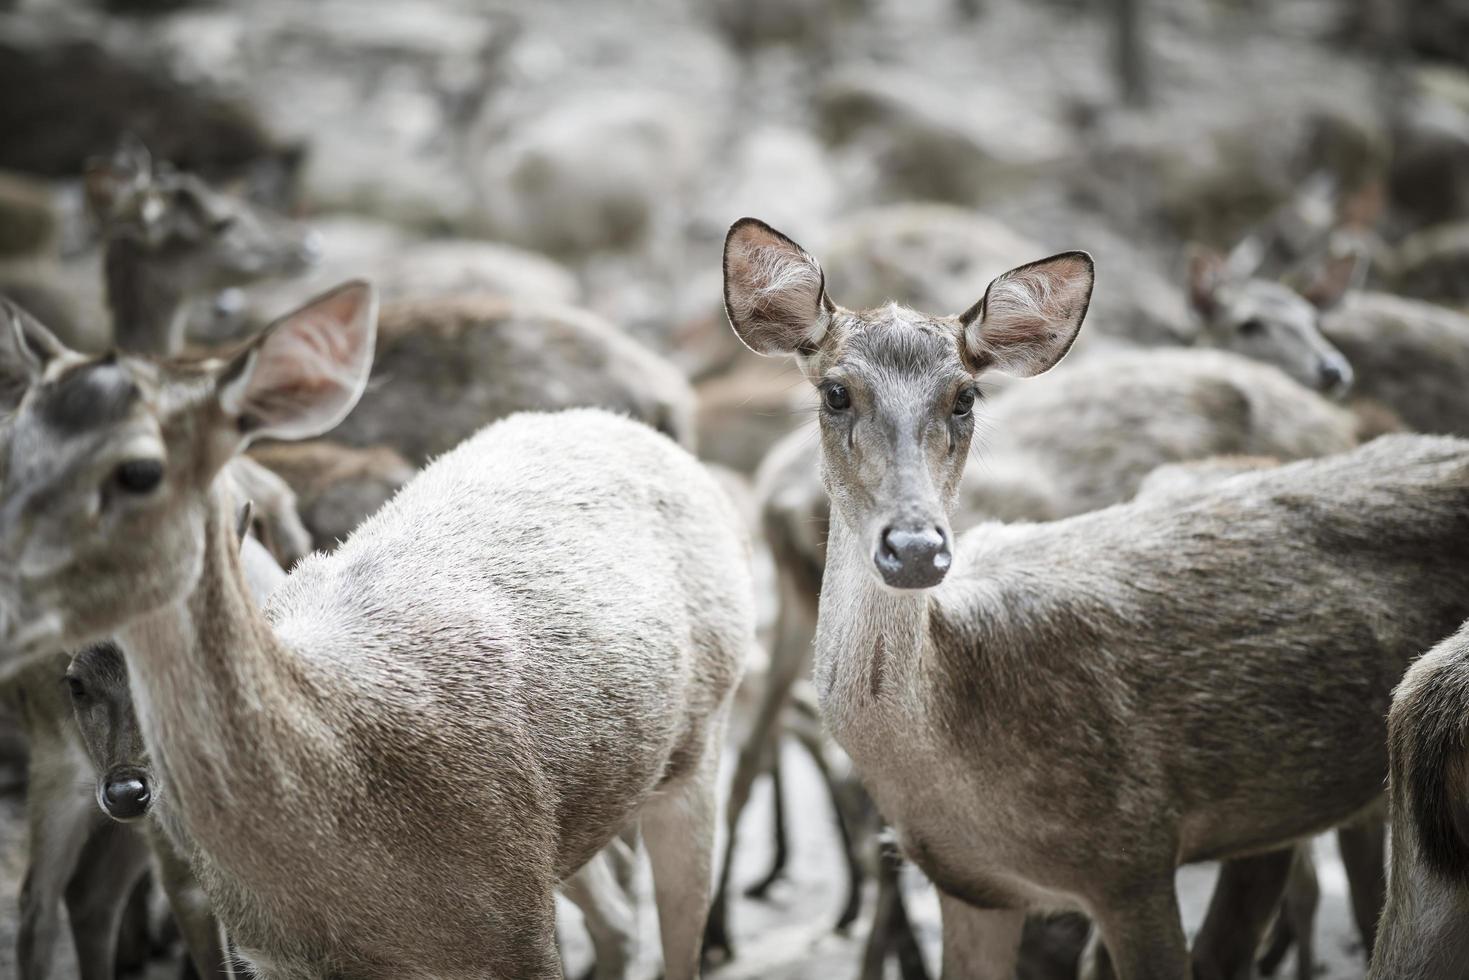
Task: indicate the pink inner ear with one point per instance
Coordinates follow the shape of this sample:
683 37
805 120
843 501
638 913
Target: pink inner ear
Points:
312 362
1030 316
773 289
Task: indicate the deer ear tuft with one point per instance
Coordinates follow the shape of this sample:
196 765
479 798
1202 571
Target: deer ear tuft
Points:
1030 316
774 291
305 372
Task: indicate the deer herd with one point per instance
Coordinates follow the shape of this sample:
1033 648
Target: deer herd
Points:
1157 607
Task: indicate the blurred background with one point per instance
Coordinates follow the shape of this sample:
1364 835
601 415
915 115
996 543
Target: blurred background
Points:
590 154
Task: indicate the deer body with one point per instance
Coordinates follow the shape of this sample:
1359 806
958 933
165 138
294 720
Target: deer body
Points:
1061 714
428 750
389 770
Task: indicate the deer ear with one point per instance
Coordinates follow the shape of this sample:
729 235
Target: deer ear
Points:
774 291
26 348
1030 316
1207 270
305 372
1341 274
113 182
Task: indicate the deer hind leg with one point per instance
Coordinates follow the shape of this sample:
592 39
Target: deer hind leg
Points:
1362 854
1245 898
678 825
979 944
609 914
1143 931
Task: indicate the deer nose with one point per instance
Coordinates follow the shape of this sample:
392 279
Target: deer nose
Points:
913 558
1335 376
125 795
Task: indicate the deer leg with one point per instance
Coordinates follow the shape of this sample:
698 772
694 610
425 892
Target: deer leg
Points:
609 916
113 861
778 864
979 944
1144 932
1246 896
61 820
807 729
1362 853
789 660
1303 894
678 826
203 935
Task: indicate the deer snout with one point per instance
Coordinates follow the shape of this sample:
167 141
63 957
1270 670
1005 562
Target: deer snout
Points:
124 795
913 557
1334 376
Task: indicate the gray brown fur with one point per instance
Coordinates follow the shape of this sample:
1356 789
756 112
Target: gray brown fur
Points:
1411 358
446 367
1182 639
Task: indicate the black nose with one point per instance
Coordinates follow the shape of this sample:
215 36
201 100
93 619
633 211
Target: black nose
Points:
913 559
125 796
1334 377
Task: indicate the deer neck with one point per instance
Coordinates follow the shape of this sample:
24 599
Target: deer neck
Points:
222 703
870 640
147 309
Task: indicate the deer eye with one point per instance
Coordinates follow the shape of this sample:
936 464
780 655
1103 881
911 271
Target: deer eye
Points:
838 399
964 403
222 225
77 688
138 476
1253 327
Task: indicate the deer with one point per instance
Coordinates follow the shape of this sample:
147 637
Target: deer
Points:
170 238
476 358
1185 405
1013 698
79 721
532 646
1422 934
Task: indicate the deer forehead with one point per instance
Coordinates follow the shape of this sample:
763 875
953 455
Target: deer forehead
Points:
1269 300
893 342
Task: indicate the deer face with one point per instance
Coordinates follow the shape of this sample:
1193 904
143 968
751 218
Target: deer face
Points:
897 388
103 706
108 461
197 238
1270 322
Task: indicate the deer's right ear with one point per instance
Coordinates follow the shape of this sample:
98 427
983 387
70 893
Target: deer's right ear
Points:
305 372
26 348
774 292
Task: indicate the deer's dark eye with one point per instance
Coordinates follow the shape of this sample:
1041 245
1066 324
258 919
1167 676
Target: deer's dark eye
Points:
964 403
222 225
139 475
1253 327
77 688
837 398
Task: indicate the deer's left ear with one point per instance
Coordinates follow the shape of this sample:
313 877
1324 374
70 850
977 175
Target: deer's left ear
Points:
1030 316
1337 277
305 372
26 348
